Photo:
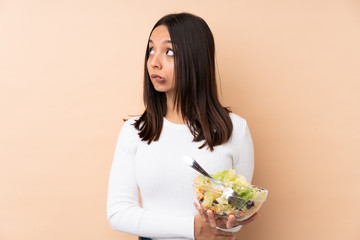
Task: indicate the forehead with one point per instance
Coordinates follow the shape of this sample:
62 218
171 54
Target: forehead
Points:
160 34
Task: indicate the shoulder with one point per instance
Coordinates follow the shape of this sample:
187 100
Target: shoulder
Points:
128 128
237 121
240 126
131 121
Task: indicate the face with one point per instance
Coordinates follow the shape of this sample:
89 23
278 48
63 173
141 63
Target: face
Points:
160 63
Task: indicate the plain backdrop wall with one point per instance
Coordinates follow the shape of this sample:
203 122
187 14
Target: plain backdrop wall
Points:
70 71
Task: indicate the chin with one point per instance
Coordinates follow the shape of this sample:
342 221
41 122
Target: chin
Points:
162 89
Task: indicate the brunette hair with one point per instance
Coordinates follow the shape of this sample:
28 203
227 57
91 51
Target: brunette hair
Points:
195 90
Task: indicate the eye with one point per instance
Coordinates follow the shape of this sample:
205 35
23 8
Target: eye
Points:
170 52
151 51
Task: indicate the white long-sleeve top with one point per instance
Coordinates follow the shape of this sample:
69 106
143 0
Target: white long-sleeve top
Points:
164 180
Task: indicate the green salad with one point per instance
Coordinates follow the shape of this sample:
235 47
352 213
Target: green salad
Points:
211 196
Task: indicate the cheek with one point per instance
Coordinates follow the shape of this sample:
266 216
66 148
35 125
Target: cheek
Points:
171 69
173 74
148 65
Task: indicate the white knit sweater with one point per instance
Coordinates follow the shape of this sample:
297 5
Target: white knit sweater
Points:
164 180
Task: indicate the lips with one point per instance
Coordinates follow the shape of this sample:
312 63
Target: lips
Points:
157 78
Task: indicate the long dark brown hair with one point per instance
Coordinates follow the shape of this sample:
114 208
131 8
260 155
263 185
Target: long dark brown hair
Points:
195 91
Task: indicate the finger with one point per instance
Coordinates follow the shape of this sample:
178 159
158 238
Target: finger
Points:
201 212
211 218
231 221
224 235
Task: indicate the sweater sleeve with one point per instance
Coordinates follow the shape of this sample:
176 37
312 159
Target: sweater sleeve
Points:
123 210
244 153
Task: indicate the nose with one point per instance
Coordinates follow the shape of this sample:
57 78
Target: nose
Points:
155 61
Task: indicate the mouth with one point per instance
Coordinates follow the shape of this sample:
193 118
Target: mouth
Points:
157 78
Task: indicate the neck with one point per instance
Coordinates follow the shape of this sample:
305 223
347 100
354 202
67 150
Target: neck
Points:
172 114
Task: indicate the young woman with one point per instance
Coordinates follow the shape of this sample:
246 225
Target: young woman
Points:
183 116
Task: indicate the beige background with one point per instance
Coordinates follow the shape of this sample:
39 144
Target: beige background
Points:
70 71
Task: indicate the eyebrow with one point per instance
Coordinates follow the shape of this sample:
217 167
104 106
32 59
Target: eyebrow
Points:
163 42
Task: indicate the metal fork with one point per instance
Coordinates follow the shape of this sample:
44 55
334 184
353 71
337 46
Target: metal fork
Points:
229 193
